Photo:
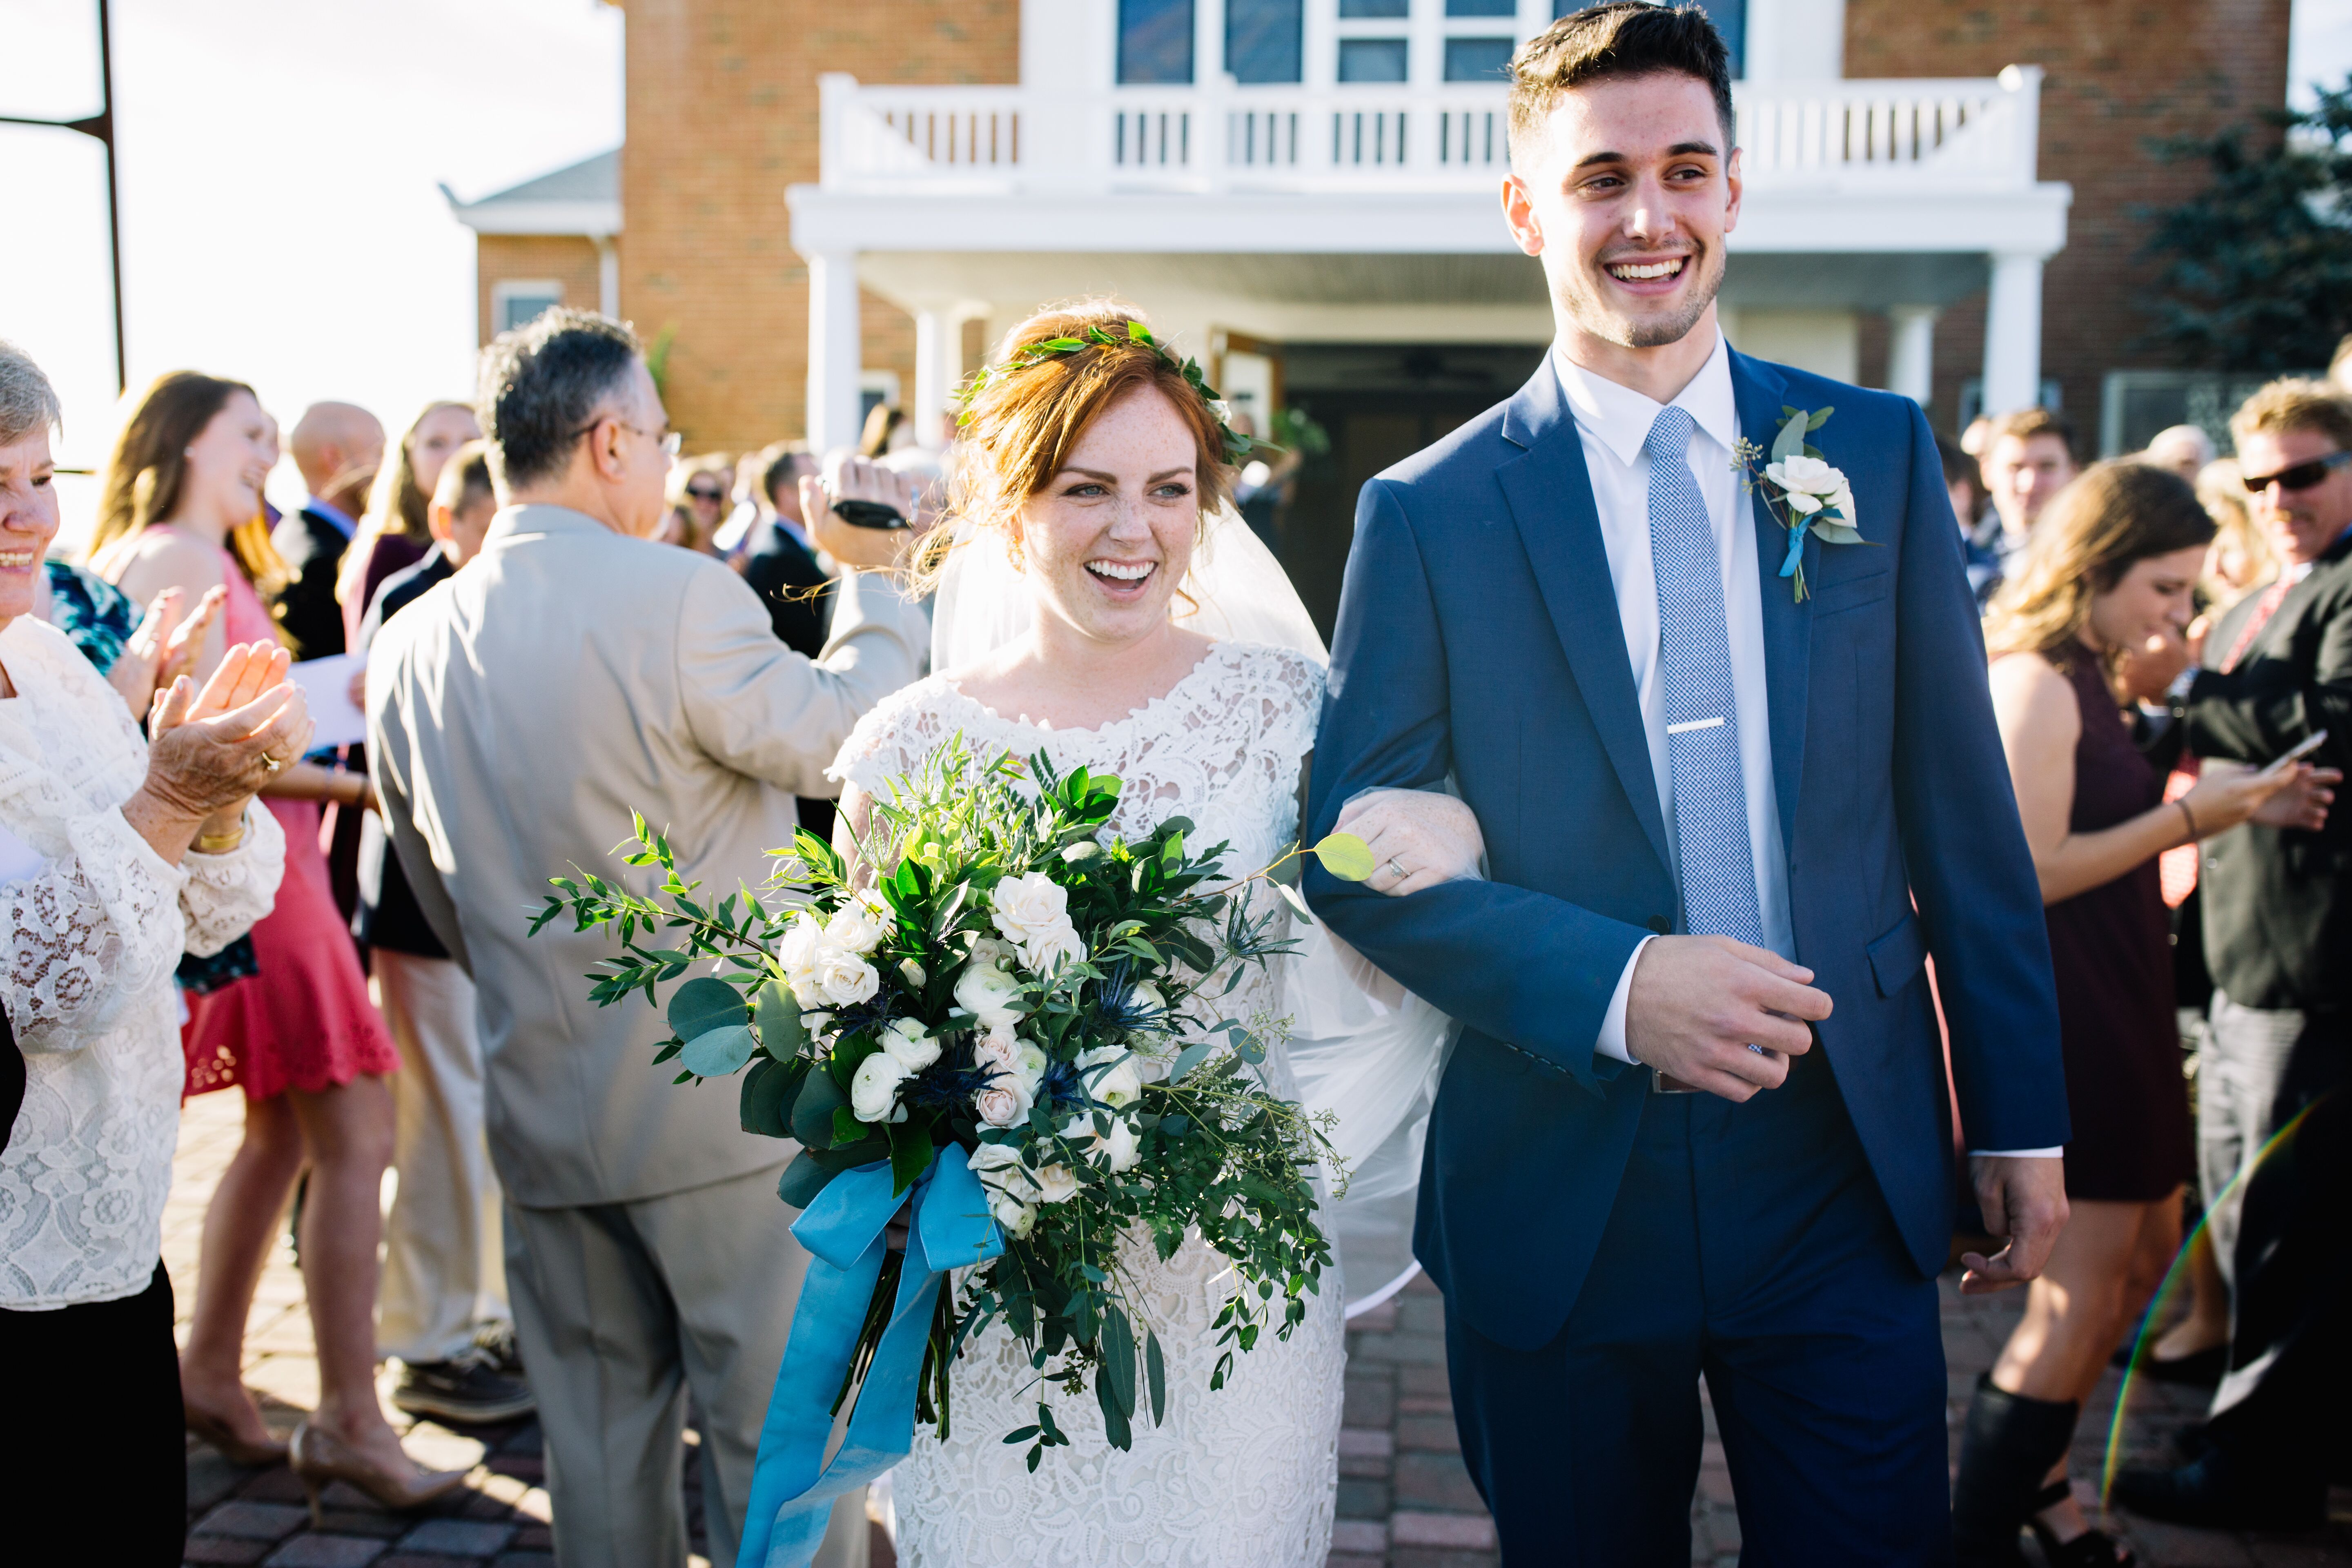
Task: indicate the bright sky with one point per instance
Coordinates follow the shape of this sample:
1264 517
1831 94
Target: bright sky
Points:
280 218
279 162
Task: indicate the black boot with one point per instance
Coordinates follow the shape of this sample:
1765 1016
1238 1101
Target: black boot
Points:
2010 1445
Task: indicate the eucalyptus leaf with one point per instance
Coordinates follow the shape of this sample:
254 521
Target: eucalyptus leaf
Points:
1188 1059
767 1093
1346 857
719 1052
801 1181
1837 533
778 1015
812 1110
1155 1369
1819 418
1116 1429
1791 442
701 1005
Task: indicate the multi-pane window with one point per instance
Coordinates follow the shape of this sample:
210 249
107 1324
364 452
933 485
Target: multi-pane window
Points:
1372 59
1155 41
1478 59
1264 39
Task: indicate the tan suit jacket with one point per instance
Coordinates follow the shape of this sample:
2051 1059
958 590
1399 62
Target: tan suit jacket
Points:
515 714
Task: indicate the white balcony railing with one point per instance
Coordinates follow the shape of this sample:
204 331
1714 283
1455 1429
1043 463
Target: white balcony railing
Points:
1924 134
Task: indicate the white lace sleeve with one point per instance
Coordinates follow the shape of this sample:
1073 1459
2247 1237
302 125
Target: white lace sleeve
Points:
101 926
227 893
899 733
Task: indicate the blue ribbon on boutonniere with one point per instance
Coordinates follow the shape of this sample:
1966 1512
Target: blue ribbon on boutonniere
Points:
1804 492
793 1487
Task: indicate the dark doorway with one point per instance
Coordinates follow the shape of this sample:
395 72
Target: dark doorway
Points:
1380 404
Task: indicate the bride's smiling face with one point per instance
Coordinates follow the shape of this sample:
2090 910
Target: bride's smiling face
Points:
1107 541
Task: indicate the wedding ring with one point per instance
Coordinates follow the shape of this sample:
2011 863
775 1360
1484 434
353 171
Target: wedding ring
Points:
272 764
1395 869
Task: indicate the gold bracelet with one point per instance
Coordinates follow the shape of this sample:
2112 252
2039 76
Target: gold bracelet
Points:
220 843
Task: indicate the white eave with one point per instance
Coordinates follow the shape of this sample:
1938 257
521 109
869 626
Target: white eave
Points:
582 199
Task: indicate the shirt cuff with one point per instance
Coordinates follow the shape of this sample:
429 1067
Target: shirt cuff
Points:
1611 1043
2016 1153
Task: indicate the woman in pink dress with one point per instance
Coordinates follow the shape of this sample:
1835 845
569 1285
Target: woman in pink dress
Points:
181 508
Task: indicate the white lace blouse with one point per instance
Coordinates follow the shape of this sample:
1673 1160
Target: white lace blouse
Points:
92 937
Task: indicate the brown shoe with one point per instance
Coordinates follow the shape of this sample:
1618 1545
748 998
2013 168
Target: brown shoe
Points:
320 1457
215 1432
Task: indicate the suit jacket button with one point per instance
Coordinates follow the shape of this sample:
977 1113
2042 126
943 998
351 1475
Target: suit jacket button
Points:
1661 924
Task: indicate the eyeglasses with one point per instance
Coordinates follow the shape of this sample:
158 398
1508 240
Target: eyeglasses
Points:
2300 476
672 441
699 493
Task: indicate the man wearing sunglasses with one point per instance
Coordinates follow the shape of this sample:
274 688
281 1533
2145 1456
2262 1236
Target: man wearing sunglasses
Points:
2275 1117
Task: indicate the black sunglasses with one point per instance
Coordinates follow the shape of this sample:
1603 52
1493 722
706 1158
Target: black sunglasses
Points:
700 494
2300 476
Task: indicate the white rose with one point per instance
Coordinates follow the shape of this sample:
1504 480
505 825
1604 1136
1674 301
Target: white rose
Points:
798 951
853 928
844 979
1121 1084
1018 1218
1049 945
1800 475
1029 1066
1028 903
999 1048
991 995
1056 1183
998 1166
817 1023
1003 1103
917 976
1118 1152
874 1091
1145 997
905 1043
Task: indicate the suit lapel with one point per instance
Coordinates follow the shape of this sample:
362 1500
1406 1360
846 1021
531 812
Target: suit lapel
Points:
1758 390
1550 497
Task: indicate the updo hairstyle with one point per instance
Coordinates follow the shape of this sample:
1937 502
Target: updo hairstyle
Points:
1020 424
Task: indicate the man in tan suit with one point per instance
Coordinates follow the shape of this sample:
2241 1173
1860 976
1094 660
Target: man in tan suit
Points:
515 714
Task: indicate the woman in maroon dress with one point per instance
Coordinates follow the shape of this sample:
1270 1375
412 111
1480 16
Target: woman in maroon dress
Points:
2112 570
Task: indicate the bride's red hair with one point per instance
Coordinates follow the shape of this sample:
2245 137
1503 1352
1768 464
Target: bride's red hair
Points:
1019 428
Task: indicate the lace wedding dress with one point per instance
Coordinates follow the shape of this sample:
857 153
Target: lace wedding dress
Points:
1242 1478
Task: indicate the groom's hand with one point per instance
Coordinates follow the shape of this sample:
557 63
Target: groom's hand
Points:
1699 1002
2023 1199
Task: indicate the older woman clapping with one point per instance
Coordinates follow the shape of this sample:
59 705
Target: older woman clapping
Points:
117 854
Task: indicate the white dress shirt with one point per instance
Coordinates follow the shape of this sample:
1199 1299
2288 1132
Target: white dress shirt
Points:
1614 422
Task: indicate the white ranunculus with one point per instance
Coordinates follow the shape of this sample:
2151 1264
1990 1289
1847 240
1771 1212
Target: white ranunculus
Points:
1049 945
990 995
1118 1152
1054 1183
1029 1066
1119 1086
917 976
1028 903
855 928
1144 997
844 979
998 1166
987 952
906 1043
1016 1218
873 1091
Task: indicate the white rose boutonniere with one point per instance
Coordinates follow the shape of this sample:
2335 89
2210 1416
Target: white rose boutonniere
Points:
1804 490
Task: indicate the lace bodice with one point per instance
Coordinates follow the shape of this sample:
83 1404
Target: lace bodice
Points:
1242 1478
91 940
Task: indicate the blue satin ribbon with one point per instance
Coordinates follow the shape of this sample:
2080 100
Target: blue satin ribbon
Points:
1796 548
793 1487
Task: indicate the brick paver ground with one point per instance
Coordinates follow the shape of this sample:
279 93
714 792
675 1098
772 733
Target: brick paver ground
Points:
1405 1500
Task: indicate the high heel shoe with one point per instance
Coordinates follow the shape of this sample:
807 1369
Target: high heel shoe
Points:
320 1457
2092 1548
211 1430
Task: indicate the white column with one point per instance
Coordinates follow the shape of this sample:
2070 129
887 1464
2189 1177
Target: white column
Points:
1911 352
833 357
934 374
608 277
2012 362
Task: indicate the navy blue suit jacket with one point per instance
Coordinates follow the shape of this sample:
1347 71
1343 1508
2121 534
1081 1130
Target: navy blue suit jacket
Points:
1479 635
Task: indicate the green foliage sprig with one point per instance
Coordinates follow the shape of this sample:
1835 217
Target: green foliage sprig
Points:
1237 446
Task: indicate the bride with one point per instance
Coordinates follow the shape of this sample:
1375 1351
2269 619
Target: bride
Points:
1091 475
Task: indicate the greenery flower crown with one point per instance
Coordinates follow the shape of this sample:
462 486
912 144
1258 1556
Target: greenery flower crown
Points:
1237 446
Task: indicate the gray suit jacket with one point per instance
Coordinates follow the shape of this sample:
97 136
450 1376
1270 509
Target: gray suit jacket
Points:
515 714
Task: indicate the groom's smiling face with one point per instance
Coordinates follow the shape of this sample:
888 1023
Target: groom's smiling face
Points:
1626 194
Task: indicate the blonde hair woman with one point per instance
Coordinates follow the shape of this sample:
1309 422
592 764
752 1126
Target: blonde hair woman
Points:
394 534
2111 571
181 507
701 489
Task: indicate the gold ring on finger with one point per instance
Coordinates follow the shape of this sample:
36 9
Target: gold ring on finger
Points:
271 762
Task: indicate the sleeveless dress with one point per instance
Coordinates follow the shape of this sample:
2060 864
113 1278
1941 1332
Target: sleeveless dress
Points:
2111 949
305 1021
1242 1478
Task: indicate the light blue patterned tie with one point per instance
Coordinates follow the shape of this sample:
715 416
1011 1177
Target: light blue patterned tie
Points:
1718 865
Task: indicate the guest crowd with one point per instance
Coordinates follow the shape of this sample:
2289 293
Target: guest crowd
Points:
200 901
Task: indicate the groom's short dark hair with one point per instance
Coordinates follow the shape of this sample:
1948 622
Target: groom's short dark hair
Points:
1624 38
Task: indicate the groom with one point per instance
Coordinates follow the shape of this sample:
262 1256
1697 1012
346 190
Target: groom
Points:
1696 1123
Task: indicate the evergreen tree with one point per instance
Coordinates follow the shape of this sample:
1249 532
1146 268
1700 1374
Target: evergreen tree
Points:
2256 270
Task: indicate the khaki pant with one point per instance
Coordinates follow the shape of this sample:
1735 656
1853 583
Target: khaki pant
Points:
621 1310
443 1270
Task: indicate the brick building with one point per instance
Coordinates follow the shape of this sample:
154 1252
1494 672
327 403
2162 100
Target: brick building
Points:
829 204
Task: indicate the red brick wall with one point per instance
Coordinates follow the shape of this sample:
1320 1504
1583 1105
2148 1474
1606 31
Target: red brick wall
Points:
722 117
568 259
2120 72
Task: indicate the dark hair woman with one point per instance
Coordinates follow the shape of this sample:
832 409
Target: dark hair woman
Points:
2112 572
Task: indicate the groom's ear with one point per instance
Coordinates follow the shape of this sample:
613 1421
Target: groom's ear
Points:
1519 216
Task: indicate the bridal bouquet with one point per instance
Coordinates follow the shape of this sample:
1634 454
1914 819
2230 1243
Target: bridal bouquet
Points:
1014 991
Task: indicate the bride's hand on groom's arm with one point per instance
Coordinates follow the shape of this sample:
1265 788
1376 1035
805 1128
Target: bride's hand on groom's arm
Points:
2023 1198
1697 1002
